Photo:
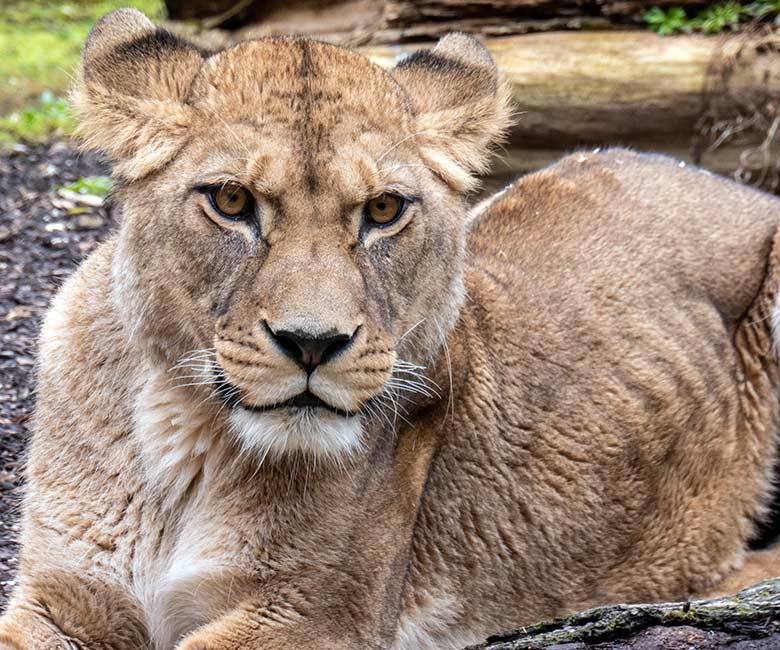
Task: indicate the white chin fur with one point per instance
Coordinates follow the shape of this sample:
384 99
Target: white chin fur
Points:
314 431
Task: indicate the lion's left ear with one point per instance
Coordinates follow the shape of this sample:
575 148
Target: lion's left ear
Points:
462 106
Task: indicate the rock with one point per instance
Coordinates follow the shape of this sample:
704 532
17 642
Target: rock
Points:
84 199
89 221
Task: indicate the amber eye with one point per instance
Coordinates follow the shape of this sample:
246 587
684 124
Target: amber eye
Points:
384 209
231 200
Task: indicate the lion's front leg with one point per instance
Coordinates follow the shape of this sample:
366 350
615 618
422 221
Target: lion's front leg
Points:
272 628
60 612
25 627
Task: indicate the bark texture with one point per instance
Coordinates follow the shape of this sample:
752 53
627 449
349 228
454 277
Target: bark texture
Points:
749 619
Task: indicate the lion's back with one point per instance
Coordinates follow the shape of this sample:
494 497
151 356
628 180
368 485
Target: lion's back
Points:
624 222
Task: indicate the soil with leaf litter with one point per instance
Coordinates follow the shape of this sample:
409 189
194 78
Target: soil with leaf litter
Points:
45 232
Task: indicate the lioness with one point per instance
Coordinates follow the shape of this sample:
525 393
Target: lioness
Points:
305 399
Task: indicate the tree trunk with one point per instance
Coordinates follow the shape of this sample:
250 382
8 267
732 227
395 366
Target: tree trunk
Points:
748 620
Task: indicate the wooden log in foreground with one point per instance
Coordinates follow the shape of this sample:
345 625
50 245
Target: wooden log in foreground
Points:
751 617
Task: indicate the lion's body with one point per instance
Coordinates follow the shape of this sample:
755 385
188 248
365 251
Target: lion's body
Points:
606 443
596 419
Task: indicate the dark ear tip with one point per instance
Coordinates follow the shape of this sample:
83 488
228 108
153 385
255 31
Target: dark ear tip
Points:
465 49
113 29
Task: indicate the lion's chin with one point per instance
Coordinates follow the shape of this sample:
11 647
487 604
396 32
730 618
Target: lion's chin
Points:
314 431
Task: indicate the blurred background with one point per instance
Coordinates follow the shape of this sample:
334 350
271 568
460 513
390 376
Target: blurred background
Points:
694 79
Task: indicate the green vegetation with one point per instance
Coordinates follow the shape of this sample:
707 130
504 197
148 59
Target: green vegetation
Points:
41 40
40 46
50 117
666 22
94 185
714 19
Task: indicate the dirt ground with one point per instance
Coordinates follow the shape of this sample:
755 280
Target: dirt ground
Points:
42 239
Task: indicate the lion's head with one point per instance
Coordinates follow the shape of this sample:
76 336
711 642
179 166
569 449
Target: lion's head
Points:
293 226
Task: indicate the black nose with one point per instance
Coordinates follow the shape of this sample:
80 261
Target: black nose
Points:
309 351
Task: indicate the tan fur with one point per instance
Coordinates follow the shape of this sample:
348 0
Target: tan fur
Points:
564 398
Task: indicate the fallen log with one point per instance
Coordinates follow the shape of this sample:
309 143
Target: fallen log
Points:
363 22
633 88
406 12
394 20
408 20
752 615
594 87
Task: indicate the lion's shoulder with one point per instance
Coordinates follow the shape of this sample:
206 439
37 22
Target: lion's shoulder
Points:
619 221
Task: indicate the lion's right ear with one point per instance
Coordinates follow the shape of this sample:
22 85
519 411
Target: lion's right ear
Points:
461 104
131 90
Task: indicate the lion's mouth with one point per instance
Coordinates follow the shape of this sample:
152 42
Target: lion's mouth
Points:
305 400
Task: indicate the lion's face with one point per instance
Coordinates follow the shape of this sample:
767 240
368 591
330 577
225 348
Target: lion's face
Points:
298 252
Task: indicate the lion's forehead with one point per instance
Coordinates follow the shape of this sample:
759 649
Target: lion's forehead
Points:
281 113
308 87
348 171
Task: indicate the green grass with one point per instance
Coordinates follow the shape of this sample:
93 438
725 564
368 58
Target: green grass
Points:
95 185
50 117
40 46
41 40
714 19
